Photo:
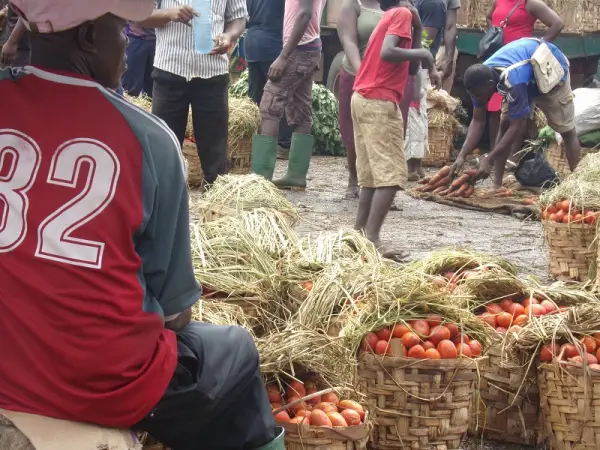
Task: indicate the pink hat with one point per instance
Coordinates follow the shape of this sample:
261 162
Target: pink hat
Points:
51 16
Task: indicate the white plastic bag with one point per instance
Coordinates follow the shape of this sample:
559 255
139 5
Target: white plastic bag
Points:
587 110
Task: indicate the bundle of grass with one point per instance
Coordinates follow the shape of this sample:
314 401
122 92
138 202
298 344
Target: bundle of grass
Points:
220 313
232 194
244 120
488 284
143 101
455 261
269 228
296 352
565 293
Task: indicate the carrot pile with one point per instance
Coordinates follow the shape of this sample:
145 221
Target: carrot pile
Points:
443 185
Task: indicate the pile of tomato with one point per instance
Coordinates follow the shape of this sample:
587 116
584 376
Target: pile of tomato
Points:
588 352
324 411
423 339
564 212
510 316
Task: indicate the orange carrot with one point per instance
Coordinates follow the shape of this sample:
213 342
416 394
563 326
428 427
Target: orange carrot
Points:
461 180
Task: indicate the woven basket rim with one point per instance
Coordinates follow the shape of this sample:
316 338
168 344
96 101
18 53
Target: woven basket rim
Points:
354 433
560 225
431 364
568 367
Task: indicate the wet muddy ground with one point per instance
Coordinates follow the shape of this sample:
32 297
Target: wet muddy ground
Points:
420 227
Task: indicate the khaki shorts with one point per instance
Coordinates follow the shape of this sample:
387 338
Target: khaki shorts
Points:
557 105
379 143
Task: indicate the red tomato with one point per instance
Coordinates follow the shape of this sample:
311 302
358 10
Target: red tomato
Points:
590 218
432 353
464 350
410 339
549 306
516 309
433 320
569 351
529 301
438 334
565 205
521 320
420 327
559 216
535 310
506 303
428 344
476 348
494 308
589 343
501 330
489 319
548 352
453 330
400 330
384 334
504 319
566 219
447 349
369 342
383 348
416 351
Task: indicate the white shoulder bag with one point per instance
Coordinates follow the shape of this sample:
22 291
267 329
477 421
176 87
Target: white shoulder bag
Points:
547 69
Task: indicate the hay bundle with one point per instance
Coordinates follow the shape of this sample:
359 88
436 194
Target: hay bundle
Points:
220 313
231 264
244 120
456 260
297 353
269 228
485 286
236 193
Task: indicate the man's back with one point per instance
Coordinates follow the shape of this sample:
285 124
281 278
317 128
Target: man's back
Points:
81 325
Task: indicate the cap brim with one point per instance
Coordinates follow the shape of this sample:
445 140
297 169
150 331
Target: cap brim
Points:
133 10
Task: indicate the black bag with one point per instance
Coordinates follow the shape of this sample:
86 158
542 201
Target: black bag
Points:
534 171
493 39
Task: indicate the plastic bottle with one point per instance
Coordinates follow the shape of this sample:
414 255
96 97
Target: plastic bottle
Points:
202 26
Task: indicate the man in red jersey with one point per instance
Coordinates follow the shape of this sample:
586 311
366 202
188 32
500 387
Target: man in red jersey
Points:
378 125
96 278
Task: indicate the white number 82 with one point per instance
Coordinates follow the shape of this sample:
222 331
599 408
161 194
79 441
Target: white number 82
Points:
55 240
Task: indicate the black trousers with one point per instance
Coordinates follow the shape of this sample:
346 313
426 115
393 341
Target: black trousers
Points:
209 99
217 398
257 78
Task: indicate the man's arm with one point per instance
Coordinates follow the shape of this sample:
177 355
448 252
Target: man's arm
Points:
346 27
10 47
236 13
548 17
450 41
390 52
304 16
515 133
490 14
474 135
161 17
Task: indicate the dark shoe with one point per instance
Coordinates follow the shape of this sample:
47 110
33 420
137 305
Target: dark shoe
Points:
421 172
413 176
264 152
276 444
283 153
300 154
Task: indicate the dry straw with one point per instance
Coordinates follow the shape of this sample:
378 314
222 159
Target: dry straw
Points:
219 313
454 260
246 192
244 120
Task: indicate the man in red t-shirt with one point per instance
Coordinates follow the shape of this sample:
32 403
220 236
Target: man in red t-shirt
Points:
96 276
378 125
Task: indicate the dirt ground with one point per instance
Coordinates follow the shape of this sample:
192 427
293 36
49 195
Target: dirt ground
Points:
420 227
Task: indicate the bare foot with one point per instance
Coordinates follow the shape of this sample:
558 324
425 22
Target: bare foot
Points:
394 255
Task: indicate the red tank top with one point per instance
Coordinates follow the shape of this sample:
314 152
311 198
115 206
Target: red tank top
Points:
521 23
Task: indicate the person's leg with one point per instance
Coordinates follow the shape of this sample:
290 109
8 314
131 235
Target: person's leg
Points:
133 78
170 101
210 117
347 131
216 399
363 170
148 83
559 109
299 114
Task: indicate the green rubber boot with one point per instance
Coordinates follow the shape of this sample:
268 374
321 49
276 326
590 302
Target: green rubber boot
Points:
276 444
264 153
300 153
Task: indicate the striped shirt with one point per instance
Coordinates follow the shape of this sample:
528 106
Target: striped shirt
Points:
175 41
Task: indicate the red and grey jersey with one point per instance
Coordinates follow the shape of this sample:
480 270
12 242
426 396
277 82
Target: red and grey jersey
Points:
94 250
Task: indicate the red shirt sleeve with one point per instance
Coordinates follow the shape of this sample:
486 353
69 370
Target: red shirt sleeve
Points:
401 23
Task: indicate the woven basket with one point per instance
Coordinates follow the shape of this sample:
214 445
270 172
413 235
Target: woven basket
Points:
508 407
195 175
305 437
440 146
418 404
570 399
571 249
240 155
556 157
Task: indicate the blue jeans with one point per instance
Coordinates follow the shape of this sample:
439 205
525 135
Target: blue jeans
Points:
140 61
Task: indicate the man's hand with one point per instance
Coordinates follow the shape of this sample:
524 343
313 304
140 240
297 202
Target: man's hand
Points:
180 322
446 68
435 78
277 68
457 166
9 52
222 45
484 169
426 58
182 14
